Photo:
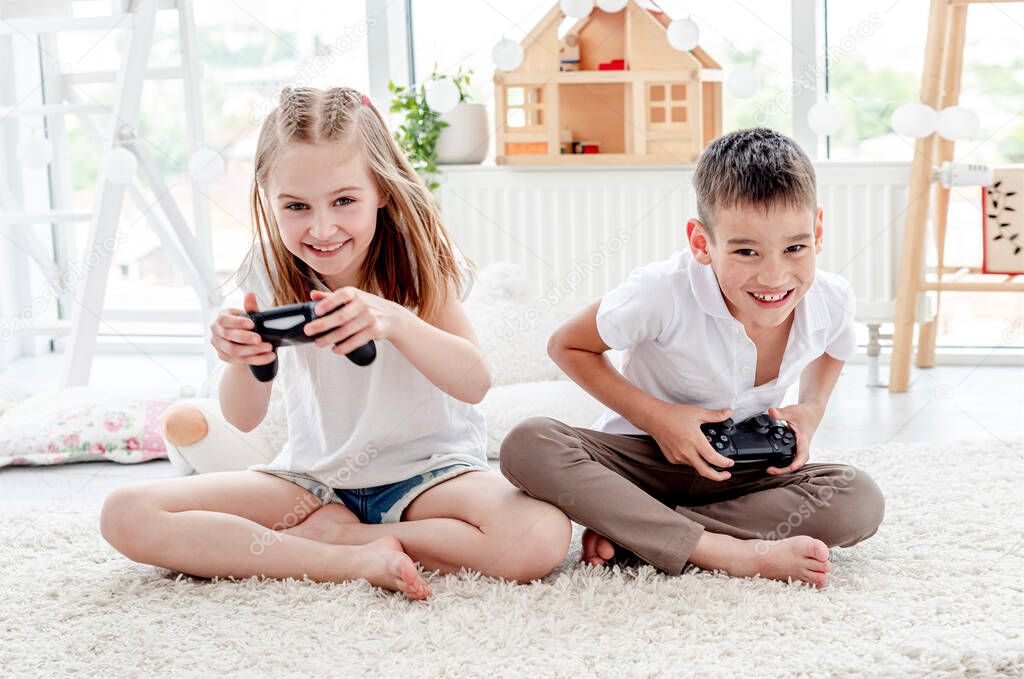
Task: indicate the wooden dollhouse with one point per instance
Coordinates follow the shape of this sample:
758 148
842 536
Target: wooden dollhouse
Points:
607 88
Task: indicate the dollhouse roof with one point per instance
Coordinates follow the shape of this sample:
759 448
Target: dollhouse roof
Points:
540 46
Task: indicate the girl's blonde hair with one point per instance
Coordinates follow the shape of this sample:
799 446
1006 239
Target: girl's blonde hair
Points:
411 258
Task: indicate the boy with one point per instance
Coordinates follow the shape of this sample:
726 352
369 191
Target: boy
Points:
718 331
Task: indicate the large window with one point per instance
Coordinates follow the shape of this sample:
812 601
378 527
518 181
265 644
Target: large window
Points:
873 50
876 56
248 52
748 34
873 53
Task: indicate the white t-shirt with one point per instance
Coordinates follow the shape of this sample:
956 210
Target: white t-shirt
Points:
356 427
682 345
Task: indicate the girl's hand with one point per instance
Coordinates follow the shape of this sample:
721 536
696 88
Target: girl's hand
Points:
363 317
231 334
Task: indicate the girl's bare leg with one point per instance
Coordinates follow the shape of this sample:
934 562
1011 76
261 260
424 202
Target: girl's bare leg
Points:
223 524
477 520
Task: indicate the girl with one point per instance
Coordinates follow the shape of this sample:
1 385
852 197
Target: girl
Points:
385 465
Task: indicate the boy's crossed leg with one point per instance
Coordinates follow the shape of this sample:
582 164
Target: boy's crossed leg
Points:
624 489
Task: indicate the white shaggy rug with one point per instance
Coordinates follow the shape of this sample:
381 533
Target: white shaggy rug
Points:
936 592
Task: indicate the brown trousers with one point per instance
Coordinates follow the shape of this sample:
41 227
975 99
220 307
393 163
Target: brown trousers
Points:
622 487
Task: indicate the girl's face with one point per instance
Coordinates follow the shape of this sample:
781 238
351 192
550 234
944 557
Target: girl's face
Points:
325 203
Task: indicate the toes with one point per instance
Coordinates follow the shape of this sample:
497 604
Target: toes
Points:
410 582
817 565
816 549
605 549
822 567
420 591
414 592
817 579
589 551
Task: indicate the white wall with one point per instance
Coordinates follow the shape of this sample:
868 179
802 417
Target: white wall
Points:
19 189
8 347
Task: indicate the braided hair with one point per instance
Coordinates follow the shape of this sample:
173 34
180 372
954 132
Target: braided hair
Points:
411 259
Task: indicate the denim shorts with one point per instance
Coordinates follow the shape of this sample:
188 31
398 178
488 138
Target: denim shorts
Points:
377 504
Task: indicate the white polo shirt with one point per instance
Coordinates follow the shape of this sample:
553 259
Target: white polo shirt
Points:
681 344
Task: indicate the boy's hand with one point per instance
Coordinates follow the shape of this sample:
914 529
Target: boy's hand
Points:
681 440
803 419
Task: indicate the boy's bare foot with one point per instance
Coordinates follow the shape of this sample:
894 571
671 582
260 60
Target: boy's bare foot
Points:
384 564
327 524
597 549
800 557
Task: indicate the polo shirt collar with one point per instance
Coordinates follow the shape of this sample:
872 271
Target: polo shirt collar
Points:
706 289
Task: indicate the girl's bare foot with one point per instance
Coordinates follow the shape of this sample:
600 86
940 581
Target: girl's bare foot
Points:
597 549
800 557
384 564
327 524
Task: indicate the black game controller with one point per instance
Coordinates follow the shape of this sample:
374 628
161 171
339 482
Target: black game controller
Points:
283 326
758 442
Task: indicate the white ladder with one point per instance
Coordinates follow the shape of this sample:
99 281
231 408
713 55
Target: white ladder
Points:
189 251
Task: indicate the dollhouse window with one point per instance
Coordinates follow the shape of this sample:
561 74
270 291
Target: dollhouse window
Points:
524 107
666 103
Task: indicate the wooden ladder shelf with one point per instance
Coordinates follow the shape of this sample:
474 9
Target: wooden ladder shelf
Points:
940 88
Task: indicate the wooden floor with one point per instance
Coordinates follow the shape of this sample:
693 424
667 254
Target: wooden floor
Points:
946 403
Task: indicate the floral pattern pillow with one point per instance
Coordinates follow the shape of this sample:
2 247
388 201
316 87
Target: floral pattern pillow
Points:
80 424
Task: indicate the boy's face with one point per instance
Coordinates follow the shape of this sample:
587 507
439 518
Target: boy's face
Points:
764 262
325 202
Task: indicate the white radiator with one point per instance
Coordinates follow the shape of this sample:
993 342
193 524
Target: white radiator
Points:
584 230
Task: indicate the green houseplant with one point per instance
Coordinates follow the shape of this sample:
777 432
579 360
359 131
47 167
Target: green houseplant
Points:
421 125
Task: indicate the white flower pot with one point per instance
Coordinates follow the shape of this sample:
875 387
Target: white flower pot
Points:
466 139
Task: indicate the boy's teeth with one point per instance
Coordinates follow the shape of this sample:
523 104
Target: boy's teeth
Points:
769 298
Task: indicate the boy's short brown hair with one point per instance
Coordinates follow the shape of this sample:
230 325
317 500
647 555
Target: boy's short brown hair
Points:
753 167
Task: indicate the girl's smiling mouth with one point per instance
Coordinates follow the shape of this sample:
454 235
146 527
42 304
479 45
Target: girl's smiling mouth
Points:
327 250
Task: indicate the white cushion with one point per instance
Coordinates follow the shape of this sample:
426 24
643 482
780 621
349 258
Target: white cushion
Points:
513 327
224 448
506 406
11 393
